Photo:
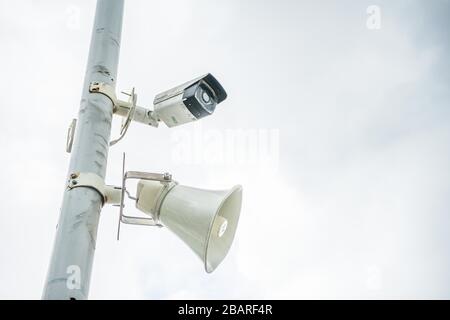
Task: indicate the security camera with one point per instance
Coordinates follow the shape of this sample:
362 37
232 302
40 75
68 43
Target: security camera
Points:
190 101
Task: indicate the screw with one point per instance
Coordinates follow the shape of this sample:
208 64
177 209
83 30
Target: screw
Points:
74 175
167 176
74 182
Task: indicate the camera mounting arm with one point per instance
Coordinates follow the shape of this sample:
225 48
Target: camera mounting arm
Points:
127 109
122 108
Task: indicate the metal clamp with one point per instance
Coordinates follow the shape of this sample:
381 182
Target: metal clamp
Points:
110 194
167 184
105 89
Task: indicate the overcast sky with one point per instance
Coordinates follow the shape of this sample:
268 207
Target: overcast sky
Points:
343 145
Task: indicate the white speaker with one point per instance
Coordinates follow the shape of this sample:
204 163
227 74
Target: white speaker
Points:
206 220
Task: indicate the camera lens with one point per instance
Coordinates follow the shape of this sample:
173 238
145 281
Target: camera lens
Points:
205 97
200 100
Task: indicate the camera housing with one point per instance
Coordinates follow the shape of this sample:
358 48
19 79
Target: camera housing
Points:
190 101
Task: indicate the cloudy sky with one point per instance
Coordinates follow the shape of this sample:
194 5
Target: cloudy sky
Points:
343 134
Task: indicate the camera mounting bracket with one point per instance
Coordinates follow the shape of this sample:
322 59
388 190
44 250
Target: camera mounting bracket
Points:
127 109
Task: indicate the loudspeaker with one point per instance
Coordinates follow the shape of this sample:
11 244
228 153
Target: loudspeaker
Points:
206 220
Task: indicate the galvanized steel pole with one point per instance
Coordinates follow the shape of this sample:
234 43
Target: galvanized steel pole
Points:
73 252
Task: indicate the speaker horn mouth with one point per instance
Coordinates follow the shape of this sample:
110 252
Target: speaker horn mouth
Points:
218 245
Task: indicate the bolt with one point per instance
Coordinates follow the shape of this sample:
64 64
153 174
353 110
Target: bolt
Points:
74 182
167 176
74 175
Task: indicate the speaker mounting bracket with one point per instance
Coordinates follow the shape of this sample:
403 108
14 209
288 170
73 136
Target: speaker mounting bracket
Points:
165 178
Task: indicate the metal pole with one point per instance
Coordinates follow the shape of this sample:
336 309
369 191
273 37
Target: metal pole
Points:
73 252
